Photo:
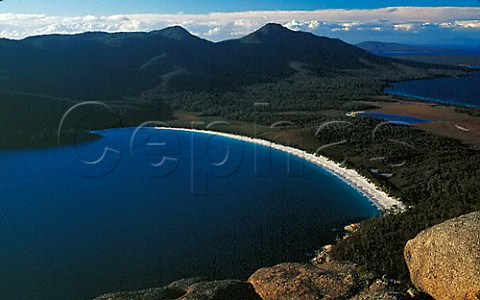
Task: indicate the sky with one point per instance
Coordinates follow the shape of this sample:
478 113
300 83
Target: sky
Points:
405 21
105 7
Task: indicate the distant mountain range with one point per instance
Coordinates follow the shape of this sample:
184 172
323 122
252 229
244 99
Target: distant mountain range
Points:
392 49
97 65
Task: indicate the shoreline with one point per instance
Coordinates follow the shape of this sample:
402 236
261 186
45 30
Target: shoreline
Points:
376 196
446 117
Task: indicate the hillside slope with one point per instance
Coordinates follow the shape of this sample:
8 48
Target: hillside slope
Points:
98 65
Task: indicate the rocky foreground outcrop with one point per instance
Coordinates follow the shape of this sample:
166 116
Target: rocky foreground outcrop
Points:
444 261
192 289
289 281
333 280
305 281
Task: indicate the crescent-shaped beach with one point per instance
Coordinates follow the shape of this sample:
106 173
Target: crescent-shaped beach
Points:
379 198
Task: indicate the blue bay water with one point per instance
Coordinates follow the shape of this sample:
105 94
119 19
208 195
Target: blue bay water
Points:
461 91
160 206
395 118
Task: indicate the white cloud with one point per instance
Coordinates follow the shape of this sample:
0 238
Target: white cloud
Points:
446 25
405 27
468 23
214 31
412 24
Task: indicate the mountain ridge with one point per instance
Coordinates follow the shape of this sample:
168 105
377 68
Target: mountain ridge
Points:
98 65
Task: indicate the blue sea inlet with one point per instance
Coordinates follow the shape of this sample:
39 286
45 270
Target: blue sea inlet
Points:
454 90
141 208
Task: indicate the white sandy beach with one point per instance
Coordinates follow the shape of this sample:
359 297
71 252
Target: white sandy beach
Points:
379 198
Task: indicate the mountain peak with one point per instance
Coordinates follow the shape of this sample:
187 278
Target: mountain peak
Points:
176 32
273 28
267 32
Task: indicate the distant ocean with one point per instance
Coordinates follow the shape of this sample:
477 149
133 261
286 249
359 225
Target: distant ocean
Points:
460 91
160 206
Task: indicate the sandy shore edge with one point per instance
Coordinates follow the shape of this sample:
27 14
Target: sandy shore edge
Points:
379 198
